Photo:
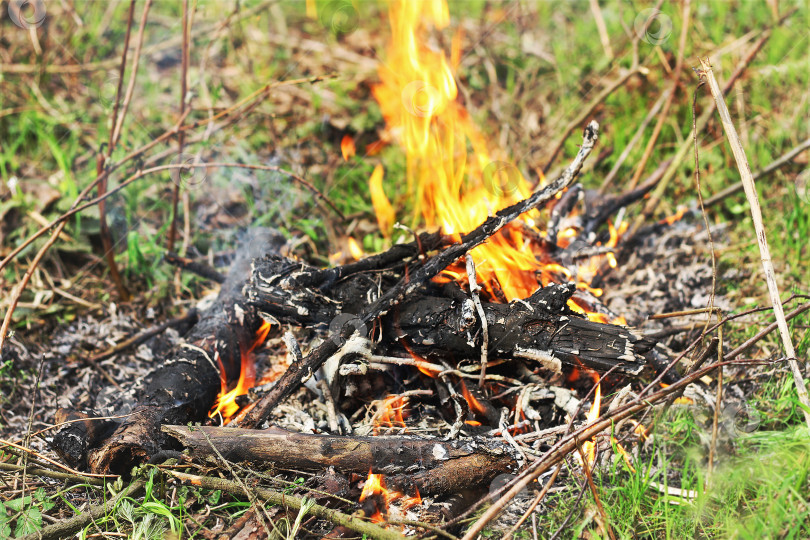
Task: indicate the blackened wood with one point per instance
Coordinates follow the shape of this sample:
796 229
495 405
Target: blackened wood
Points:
540 328
433 466
601 207
561 209
186 384
394 258
299 372
81 434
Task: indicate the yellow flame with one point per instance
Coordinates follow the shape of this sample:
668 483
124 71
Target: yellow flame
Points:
382 206
589 447
453 188
355 249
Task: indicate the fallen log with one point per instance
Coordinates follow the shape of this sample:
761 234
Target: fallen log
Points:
433 466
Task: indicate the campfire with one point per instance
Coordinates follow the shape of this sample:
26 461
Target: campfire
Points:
459 366
483 328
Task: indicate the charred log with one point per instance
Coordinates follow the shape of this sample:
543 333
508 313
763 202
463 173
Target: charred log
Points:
186 384
540 328
84 430
432 465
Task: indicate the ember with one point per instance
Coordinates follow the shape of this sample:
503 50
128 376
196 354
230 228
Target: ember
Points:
376 499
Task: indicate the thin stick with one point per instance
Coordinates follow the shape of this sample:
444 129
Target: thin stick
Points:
759 228
537 500
17 293
52 474
587 468
718 400
140 337
181 137
288 501
4 442
475 289
600 26
764 332
586 111
132 75
775 164
634 141
675 82
101 161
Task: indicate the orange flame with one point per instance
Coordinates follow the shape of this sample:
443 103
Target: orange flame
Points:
375 487
455 178
669 220
421 364
452 189
392 413
226 400
347 147
475 405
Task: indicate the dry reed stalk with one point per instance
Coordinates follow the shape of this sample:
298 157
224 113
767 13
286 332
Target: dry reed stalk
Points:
759 228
